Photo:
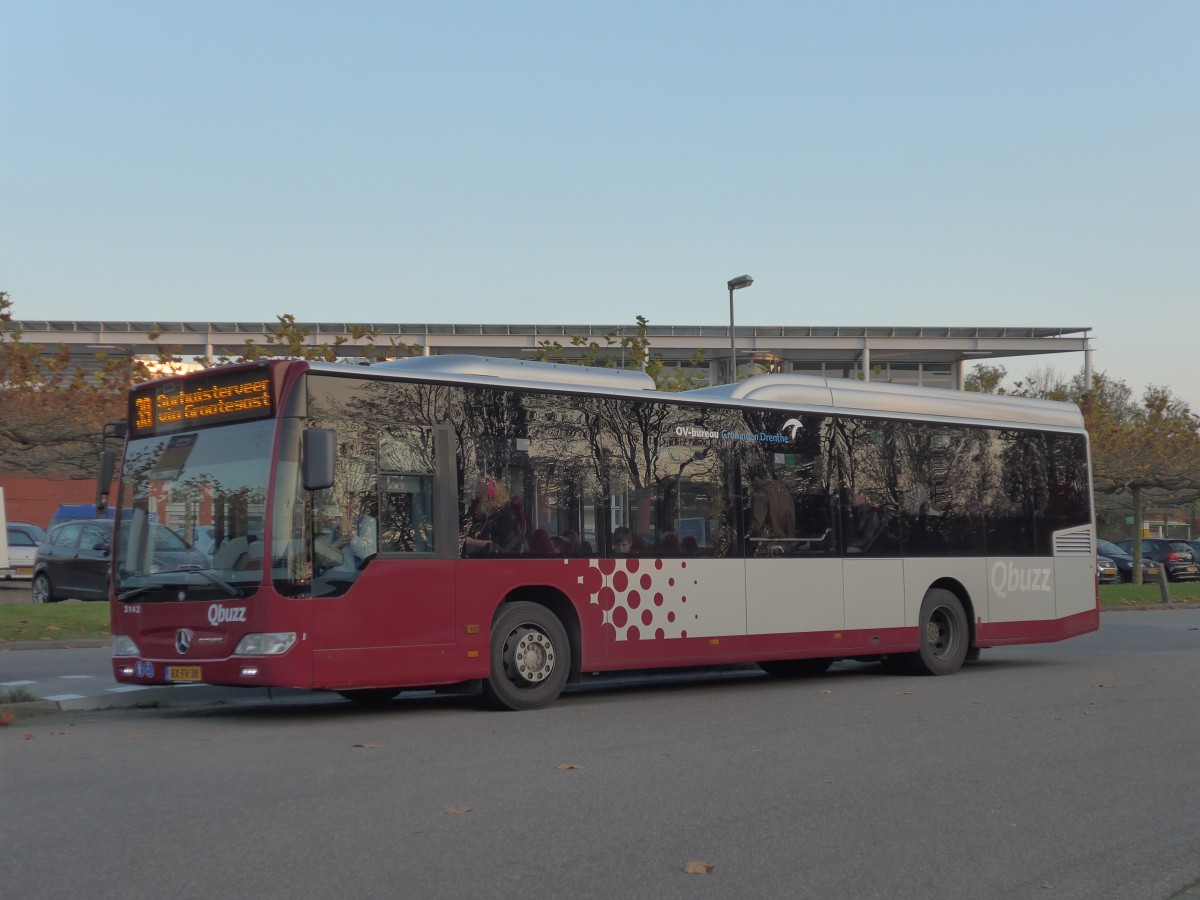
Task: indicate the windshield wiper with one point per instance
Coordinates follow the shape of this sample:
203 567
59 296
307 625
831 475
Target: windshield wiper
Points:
219 582
237 592
138 591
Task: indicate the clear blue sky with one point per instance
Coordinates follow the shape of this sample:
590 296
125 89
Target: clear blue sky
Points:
949 163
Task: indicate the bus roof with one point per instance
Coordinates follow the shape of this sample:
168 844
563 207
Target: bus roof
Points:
785 390
508 370
896 399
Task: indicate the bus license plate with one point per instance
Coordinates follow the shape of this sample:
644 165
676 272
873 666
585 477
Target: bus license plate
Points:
183 673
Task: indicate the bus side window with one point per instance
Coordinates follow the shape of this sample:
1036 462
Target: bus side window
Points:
406 514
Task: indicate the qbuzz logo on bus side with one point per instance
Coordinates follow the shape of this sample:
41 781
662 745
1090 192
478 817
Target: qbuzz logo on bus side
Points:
218 614
1010 579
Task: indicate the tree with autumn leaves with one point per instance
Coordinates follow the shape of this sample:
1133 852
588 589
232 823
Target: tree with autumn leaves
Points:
53 410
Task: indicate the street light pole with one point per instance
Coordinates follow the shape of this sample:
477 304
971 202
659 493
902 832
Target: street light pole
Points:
735 284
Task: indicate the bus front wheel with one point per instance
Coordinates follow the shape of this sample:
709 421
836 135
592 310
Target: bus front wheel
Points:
530 658
944 634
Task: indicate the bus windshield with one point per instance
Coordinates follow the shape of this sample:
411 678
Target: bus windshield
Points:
206 487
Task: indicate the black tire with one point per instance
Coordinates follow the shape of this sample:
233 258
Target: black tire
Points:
530 658
41 591
370 696
795 668
943 633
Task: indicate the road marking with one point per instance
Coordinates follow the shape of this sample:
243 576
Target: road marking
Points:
58 698
16 683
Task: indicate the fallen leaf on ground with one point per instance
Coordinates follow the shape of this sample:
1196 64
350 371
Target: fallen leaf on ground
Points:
696 867
457 810
902 693
565 766
6 719
1104 685
369 745
28 736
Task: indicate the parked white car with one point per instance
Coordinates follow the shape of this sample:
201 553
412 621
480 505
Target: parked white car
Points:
23 540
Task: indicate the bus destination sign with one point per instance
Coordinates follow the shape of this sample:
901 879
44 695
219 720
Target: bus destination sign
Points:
199 401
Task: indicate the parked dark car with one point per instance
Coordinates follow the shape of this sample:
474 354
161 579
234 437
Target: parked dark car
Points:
1124 562
1175 556
75 558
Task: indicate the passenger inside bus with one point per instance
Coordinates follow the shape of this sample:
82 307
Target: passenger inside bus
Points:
867 524
668 543
238 553
361 535
491 525
540 543
772 522
622 541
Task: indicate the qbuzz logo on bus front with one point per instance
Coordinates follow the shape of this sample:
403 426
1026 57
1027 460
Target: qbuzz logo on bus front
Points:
1007 578
218 614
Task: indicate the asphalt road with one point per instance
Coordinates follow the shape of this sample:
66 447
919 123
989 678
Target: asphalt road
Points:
1056 771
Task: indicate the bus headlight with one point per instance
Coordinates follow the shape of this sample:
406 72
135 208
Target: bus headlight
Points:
269 643
124 646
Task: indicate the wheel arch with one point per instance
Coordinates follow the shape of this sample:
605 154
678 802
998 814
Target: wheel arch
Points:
956 587
558 603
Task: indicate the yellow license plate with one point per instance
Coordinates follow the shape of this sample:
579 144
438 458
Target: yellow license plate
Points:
24 570
183 673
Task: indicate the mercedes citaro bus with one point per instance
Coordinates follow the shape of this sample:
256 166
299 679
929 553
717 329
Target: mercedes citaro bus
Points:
508 526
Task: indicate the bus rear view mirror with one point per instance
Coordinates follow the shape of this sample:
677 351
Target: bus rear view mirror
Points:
320 448
108 464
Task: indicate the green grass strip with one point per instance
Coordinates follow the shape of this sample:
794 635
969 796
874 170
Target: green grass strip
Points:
53 621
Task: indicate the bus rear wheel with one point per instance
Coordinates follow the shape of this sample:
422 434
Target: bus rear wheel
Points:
944 635
530 658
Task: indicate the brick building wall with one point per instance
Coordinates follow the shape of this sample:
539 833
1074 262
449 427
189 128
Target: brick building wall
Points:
34 500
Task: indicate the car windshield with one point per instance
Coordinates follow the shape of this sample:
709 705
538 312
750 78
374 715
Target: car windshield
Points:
193 509
1108 548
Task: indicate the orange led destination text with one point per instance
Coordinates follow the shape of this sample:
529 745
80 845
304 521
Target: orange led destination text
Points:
214 401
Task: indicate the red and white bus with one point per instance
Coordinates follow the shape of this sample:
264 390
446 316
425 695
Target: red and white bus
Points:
456 521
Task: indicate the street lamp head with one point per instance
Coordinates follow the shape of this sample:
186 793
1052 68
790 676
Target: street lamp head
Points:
740 282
